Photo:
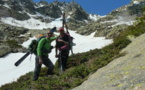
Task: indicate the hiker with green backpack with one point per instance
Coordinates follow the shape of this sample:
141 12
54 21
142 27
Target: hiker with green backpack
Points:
43 49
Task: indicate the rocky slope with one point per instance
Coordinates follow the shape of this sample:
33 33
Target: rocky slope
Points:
11 37
124 73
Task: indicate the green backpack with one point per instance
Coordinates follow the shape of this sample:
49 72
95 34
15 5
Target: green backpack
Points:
33 45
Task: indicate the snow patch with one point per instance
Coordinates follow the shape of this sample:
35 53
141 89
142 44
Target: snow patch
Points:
30 24
7 6
135 2
94 17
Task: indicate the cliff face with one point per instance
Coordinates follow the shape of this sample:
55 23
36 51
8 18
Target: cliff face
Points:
124 73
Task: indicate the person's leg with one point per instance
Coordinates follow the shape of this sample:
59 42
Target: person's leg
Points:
64 57
65 60
49 64
60 61
37 69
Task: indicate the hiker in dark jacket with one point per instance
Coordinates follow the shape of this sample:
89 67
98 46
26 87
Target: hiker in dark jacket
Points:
43 48
62 44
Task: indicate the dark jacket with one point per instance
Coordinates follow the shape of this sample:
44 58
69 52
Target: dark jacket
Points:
60 45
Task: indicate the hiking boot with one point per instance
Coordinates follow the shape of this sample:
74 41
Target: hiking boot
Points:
35 79
49 73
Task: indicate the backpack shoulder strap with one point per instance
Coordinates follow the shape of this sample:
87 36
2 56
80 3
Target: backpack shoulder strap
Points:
57 38
44 41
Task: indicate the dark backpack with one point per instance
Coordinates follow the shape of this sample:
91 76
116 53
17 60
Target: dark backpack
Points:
33 45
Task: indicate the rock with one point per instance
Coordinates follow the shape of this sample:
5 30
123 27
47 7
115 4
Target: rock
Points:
124 73
10 40
4 50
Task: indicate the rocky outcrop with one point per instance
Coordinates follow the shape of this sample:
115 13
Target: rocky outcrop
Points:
10 39
51 10
19 9
111 32
124 73
75 11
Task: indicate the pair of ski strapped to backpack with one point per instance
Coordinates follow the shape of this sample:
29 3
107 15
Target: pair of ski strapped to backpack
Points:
64 25
33 47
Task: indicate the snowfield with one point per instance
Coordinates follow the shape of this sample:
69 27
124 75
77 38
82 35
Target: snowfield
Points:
10 73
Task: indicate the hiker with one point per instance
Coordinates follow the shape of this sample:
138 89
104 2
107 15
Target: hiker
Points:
43 48
62 44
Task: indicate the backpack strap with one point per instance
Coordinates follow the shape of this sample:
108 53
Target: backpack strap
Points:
44 42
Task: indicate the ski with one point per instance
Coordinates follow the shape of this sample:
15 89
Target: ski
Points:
21 59
65 25
53 29
60 62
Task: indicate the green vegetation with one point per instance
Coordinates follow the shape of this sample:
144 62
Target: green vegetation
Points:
80 66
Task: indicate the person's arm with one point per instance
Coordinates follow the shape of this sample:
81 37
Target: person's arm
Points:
53 38
65 42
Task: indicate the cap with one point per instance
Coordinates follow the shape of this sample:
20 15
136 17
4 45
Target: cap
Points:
60 29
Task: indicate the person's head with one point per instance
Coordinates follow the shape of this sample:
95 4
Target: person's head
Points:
61 31
49 34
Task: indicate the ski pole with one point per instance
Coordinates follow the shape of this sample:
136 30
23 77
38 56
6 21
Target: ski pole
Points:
30 56
60 61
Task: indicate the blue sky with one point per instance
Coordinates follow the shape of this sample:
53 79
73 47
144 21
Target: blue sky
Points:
100 7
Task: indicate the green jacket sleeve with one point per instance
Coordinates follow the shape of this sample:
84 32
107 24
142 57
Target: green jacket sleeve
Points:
53 38
39 47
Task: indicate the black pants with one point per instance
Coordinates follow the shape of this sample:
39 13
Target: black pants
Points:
63 57
47 62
